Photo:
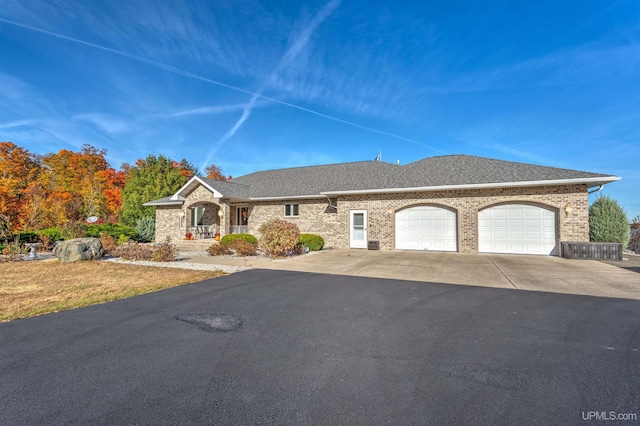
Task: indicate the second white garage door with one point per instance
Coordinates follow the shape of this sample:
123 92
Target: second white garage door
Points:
426 228
517 228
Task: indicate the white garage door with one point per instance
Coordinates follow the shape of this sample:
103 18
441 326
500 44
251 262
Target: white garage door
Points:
426 228
517 228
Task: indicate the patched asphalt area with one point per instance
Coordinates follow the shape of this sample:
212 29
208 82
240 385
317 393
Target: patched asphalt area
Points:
324 349
213 322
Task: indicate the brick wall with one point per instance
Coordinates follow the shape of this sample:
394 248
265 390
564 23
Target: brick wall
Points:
334 227
312 218
467 203
168 223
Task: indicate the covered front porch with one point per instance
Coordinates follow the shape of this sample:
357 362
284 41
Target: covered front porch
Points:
199 211
207 220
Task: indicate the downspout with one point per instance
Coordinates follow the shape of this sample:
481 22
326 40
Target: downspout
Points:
596 190
331 205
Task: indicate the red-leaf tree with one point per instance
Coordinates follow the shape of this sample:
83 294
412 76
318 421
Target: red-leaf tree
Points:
215 172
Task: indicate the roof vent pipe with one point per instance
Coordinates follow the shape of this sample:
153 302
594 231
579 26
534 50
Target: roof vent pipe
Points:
596 190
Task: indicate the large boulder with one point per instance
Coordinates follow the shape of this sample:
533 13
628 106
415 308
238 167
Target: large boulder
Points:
79 249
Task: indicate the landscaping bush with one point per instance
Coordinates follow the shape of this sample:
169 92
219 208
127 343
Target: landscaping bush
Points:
634 242
278 237
54 234
243 248
116 231
73 230
218 250
12 251
135 251
164 252
228 239
108 244
312 242
608 222
146 229
22 237
122 239
47 243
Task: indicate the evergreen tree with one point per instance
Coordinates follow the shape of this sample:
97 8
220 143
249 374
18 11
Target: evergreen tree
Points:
608 222
150 179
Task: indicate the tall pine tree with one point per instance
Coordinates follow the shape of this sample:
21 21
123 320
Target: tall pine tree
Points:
150 179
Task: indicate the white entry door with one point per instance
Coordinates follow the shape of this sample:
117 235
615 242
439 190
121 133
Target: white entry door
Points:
426 228
358 229
517 228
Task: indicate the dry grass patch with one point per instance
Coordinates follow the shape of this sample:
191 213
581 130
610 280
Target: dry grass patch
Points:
38 287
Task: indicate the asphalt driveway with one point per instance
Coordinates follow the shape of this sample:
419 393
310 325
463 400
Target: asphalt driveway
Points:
325 349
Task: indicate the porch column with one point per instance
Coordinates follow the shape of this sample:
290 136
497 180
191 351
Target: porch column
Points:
225 225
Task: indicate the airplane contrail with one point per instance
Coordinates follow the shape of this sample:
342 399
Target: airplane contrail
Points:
184 73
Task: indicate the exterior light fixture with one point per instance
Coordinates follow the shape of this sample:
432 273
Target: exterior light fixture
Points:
389 211
568 209
220 213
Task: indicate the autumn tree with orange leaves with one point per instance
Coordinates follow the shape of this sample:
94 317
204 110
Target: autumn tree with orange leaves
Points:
215 172
19 170
81 184
39 192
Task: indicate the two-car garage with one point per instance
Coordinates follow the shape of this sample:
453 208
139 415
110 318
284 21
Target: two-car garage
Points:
506 228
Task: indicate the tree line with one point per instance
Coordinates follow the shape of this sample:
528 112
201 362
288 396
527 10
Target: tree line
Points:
41 191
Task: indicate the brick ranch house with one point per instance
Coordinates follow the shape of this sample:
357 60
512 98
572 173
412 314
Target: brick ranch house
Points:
449 203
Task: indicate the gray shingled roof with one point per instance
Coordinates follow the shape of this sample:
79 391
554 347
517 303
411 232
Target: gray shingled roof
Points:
229 189
313 180
451 170
371 175
167 201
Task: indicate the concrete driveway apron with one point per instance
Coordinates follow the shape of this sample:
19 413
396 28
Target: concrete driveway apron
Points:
535 273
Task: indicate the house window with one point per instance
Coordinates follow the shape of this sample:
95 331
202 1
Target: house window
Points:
197 213
291 210
242 217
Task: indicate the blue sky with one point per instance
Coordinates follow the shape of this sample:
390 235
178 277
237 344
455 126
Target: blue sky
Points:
254 85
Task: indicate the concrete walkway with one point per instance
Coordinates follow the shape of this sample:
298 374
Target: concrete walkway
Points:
535 273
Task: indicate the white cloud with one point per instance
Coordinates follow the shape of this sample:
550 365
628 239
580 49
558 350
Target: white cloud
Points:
13 88
18 123
106 123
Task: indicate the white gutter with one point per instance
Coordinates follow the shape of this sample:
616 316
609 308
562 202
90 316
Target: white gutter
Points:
293 197
166 203
595 181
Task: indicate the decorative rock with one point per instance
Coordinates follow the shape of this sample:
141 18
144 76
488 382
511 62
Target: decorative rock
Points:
79 249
